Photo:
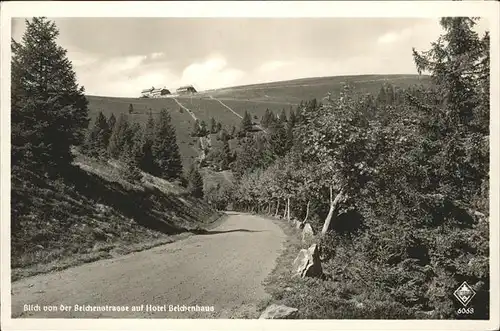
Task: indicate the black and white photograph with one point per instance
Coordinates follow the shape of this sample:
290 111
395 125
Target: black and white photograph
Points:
177 166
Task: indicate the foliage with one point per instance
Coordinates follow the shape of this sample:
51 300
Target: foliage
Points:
98 136
195 182
165 149
49 109
410 169
118 137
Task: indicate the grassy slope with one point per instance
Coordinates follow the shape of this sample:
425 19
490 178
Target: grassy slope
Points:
182 121
95 214
254 98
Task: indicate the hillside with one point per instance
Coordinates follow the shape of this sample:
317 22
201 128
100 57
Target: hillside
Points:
227 105
93 213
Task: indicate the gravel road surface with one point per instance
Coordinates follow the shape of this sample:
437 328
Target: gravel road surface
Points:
223 268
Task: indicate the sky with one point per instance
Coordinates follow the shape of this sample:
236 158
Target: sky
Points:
122 56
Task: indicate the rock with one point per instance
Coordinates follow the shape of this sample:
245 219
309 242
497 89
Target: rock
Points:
307 263
39 247
279 312
307 232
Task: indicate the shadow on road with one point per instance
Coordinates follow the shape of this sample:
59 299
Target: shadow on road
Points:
208 232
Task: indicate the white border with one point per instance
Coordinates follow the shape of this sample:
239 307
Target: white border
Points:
51 9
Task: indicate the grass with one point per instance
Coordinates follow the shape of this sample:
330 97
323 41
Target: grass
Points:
92 213
253 98
331 297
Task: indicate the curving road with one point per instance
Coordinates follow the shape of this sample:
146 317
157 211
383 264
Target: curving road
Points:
223 268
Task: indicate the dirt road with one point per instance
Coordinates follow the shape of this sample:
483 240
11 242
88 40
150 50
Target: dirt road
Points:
223 268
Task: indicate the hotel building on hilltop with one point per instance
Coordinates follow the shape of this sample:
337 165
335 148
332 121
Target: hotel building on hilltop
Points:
155 93
188 89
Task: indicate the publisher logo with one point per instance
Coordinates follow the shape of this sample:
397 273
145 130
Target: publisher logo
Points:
464 293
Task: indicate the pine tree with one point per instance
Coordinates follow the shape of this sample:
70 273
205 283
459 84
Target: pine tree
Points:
195 132
219 127
293 117
131 171
118 137
98 138
226 158
246 123
133 139
267 118
203 129
130 108
233 132
165 149
49 109
195 182
111 123
213 125
147 163
282 117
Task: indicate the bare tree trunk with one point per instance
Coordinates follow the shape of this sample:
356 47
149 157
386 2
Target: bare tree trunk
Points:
307 211
277 207
288 209
333 207
284 213
269 208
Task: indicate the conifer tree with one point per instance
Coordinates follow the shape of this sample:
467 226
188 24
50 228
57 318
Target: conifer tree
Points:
165 149
118 137
213 125
293 117
147 162
218 127
111 123
282 117
49 110
196 129
98 138
246 122
130 108
267 118
203 129
195 182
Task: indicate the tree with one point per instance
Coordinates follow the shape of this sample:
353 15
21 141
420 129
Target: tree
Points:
203 129
267 118
213 125
118 137
282 117
457 117
147 162
181 110
98 138
246 123
49 109
218 128
111 123
165 149
195 132
130 108
195 182
293 117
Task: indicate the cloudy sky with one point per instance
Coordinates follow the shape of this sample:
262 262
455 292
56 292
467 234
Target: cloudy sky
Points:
122 56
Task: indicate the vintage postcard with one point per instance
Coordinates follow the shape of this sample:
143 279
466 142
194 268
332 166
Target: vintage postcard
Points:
217 165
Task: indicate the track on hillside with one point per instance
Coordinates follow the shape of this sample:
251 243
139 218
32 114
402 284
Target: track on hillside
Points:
202 143
232 110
